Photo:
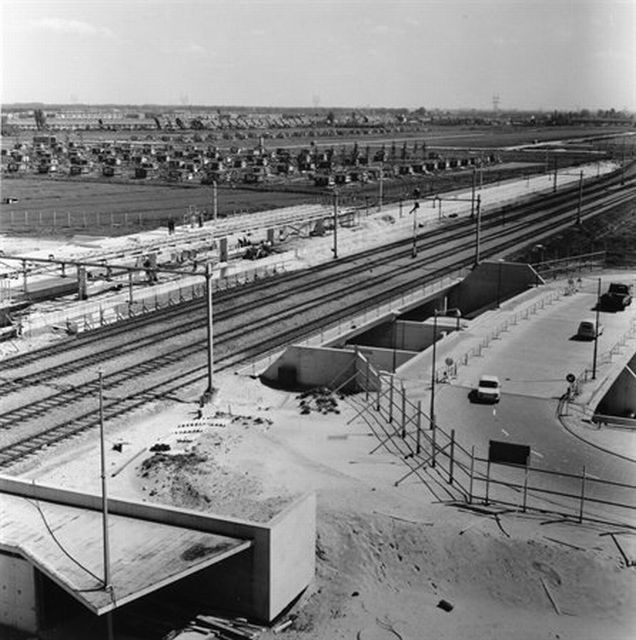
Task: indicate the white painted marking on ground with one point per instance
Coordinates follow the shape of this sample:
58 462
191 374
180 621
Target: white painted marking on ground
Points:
536 453
505 432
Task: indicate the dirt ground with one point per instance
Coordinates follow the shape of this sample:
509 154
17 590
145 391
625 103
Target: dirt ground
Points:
391 561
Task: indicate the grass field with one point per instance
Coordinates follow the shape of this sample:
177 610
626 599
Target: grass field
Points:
62 206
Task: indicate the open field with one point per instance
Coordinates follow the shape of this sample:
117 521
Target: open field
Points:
465 136
61 205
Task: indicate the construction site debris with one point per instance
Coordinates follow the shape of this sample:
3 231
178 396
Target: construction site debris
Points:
160 446
230 628
445 605
319 399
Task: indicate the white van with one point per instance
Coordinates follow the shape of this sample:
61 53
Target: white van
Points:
489 388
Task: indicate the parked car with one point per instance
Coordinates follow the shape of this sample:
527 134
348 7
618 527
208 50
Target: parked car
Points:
587 330
489 389
617 297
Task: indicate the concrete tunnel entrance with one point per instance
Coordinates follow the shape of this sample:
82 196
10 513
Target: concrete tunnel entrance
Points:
391 341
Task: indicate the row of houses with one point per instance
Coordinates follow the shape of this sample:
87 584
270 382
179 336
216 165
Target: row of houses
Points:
208 163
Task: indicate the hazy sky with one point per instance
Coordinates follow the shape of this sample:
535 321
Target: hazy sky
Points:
547 54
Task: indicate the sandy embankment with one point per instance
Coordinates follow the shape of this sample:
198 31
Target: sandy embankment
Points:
386 556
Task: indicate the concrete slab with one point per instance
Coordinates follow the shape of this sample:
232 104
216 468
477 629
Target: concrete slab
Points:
145 556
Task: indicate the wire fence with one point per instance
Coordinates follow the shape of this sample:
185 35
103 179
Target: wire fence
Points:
405 429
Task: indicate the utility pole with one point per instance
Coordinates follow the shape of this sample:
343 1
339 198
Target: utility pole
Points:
335 225
472 194
416 206
596 327
381 194
578 211
106 545
208 287
478 231
215 201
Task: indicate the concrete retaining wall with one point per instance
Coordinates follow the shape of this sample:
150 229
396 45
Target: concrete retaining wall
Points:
263 589
491 282
314 366
17 593
404 335
621 397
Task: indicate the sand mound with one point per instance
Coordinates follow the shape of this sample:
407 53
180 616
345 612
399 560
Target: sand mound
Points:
379 577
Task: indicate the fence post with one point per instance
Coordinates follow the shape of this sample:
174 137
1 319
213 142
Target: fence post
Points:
403 413
582 495
434 444
418 436
366 383
391 400
452 457
487 482
472 473
377 404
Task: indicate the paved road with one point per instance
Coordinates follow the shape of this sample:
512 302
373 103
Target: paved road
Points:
532 359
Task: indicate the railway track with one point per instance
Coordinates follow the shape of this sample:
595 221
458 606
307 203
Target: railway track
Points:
69 407
369 258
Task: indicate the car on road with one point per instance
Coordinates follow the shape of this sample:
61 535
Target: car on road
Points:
587 330
489 389
617 298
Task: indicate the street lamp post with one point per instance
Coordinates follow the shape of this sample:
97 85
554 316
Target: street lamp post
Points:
433 372
596 328
478 231
416 206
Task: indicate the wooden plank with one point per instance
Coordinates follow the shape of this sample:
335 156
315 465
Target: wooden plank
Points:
628 562
551 597
567 544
